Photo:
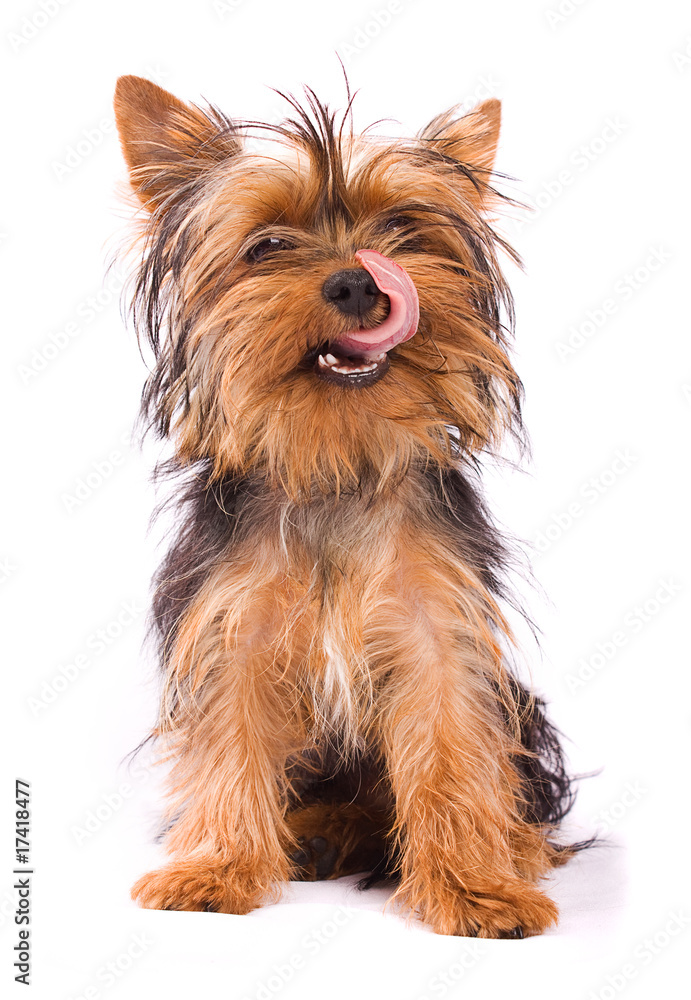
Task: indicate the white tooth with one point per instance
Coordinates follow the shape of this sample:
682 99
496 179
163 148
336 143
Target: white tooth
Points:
322 361
330 359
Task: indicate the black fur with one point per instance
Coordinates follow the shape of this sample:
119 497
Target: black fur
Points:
207 512
548 790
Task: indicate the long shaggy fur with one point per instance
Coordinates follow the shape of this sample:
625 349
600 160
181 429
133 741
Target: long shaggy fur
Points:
336 693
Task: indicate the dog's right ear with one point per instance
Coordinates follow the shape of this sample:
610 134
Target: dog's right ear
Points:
471 140
167 144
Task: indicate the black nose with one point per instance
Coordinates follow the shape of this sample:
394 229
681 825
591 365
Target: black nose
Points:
354 290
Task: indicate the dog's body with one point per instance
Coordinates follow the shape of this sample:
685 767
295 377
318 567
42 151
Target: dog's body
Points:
336 695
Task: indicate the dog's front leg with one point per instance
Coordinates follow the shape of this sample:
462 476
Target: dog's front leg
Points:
467 856
229 729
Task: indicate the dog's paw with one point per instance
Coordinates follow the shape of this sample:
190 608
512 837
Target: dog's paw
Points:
336 839
180 886
511 911
200 886
517 912
314 859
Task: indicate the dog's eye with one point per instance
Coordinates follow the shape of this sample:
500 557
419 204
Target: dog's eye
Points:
266 247
395 222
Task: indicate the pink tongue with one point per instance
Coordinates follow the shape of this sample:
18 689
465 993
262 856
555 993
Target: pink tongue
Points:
404 314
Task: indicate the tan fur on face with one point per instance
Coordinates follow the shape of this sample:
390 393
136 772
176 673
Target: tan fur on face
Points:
265 413
241 397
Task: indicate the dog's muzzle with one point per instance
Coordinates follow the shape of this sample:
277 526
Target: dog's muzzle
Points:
360 357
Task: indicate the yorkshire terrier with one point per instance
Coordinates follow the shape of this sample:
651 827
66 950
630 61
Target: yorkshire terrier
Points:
330 325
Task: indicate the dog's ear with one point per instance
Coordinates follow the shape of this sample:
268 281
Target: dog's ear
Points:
471 140
167 144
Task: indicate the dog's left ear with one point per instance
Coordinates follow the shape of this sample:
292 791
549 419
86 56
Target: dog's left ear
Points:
471 140
167 144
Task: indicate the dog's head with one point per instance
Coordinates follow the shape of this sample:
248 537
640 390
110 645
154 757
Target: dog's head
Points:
325 311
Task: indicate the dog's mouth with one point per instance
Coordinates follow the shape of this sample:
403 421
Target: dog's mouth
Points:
360 357
345 369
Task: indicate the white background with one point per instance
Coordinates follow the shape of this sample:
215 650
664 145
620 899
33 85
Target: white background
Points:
596 131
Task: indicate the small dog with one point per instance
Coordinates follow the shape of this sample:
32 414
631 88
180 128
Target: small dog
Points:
327 322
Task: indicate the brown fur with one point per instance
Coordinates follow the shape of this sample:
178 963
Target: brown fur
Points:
343 610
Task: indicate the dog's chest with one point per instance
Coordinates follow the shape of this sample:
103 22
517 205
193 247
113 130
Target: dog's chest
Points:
341 556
